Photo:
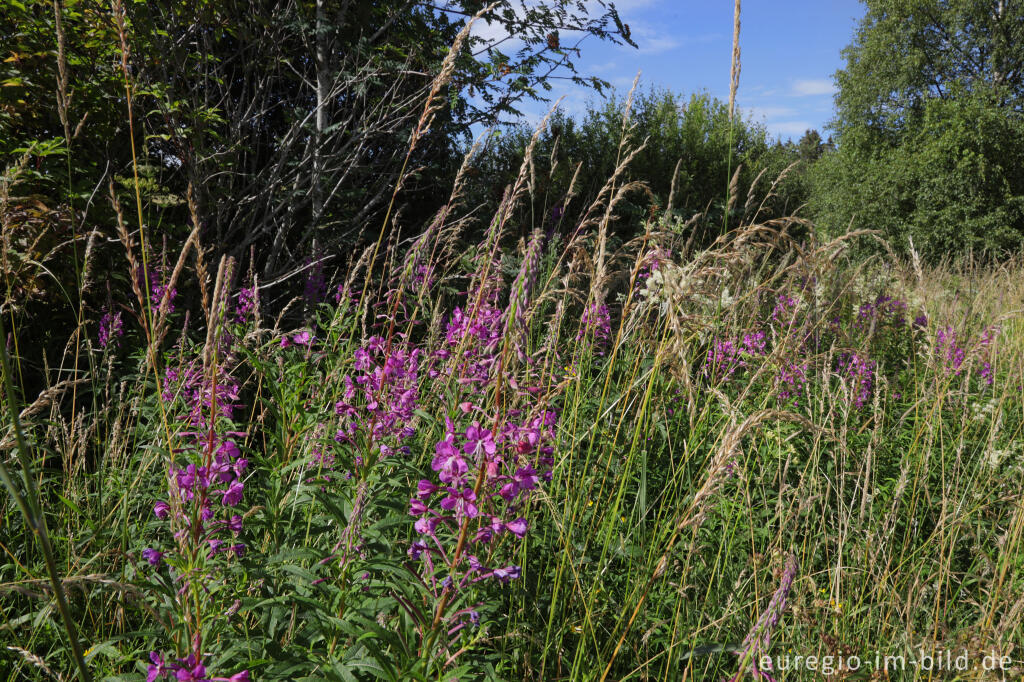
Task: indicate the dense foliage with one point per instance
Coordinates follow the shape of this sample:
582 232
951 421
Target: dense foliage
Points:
684 151
930 128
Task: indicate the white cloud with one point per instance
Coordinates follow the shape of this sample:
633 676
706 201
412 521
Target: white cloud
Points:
651 40
656 44
769 112
494 34
814 86
789 128
781 121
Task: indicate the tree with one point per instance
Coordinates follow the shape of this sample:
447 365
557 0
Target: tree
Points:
290 118
810 146
929 127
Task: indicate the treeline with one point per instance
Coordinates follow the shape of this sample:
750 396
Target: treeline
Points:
279 132
683 164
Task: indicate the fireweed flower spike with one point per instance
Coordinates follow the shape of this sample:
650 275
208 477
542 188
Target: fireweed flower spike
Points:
380 397
861 372
883 311
188 669
985 354
726 357
205 490
722 361
157 288
111 329
791 381
784 308
485 479
246 305
949 351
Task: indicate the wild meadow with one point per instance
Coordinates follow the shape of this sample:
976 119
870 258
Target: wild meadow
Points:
515 446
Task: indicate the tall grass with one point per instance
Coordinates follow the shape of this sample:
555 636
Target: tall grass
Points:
558 459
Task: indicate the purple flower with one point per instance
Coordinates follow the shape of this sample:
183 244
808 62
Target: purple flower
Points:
448 463
191 673
723 359
363 362
461 502
425 489
526 478
246 304
302 338
417 548
948 349
159 290
986 373
596 321
653 261
111 328
157 287
426 525
790 381
477 438
186 480
229 449
517 527
519 458
784 307
205 510
509 491
755 344
507 573
156 668
202 396
862 372
233 495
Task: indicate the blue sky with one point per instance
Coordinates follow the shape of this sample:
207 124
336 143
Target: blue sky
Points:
789 51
